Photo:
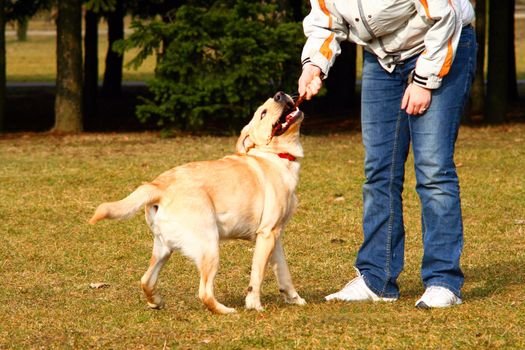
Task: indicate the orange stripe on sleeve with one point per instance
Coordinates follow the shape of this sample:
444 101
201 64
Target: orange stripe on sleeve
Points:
322 4
425 6
325 48
448 61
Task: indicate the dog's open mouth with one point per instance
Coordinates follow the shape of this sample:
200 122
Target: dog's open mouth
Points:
289 116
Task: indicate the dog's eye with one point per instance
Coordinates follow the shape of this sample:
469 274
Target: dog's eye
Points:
263 114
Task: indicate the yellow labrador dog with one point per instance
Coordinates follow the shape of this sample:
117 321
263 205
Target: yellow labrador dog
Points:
249 195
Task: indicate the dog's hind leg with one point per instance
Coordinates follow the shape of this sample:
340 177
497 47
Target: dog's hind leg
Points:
282 273
160 255
208 265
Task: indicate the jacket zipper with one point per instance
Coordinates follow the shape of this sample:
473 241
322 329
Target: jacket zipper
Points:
395 55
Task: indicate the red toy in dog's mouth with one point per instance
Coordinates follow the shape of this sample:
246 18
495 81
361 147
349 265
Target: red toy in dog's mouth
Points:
288 117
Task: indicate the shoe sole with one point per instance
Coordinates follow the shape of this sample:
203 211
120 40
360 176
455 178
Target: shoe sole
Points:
421 305
385 300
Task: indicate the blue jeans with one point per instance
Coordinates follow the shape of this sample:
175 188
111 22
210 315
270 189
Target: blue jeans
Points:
387 133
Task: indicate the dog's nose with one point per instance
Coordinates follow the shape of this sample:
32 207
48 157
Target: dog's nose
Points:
279 97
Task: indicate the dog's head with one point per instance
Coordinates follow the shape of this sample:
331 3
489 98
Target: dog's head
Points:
274 128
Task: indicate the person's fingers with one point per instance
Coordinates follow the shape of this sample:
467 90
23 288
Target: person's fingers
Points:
411 105
415 101
419 100
309 82
313 87
410 109
301 89
302 84
309 92
406 96
420 106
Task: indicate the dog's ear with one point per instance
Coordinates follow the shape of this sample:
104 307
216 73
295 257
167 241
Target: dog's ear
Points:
244 143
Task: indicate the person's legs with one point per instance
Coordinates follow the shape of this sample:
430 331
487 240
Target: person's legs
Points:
386 140
433 139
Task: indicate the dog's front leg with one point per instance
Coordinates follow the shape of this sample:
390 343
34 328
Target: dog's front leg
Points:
284 279
264 245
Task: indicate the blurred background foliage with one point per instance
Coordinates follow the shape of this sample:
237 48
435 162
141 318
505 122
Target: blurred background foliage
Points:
216 63
204 64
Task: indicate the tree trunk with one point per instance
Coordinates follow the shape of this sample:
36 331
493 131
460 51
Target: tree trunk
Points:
2 65
68 102
477 106
512 79
297 10
21 29
112 85
340 83
498 62
90 65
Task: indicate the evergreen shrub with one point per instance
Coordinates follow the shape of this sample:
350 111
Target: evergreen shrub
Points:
218 63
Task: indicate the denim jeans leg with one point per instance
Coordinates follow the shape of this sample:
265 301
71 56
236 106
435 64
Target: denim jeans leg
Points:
433 141
386 139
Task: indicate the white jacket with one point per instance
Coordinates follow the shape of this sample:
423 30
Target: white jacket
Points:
393 30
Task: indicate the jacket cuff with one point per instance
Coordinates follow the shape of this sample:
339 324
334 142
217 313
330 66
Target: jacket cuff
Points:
317 59
429 82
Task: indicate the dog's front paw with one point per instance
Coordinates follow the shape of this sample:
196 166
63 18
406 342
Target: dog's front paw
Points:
156 303
253 302
294 299
224 310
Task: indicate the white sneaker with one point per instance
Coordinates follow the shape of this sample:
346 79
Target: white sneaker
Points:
357 290
437 296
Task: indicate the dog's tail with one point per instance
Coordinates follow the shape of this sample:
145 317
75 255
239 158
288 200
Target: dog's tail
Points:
145 194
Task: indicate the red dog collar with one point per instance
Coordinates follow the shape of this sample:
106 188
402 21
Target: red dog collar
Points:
286 156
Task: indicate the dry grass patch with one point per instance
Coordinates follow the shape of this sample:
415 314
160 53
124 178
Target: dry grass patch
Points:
50 255
35 60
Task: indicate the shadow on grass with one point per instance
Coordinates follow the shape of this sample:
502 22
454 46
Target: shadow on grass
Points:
480 282
493 279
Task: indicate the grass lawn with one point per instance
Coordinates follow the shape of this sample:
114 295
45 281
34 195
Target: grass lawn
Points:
35 60
49 255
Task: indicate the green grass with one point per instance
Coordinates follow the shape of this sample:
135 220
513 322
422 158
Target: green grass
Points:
35 60
49 255
519 46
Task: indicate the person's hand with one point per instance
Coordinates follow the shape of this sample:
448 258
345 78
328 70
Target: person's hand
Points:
416 99
310 81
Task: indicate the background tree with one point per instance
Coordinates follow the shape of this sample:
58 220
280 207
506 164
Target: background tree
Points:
91 20
297 10
94 10
2 64
22 25
68 100
13 10
145 10
112 84
219 62
499 70
477 105
511 56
